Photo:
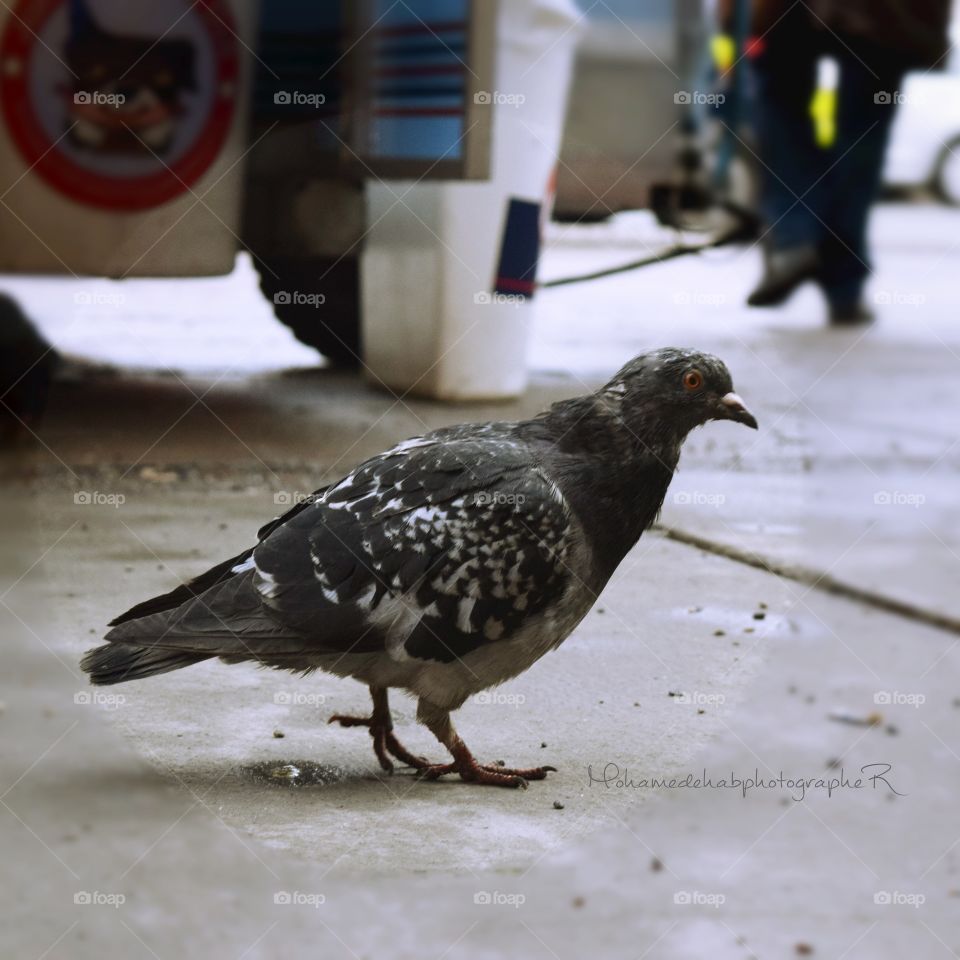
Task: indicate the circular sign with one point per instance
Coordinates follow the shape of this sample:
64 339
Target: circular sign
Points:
121 104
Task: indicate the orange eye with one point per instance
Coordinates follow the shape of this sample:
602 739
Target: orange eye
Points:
693 380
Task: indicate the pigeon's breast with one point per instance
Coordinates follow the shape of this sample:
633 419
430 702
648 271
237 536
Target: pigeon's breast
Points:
449 684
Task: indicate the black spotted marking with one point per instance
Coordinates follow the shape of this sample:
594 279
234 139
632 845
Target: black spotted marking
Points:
469 536
483 586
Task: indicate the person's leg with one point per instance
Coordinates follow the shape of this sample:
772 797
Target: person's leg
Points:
790 164
789 160
863 127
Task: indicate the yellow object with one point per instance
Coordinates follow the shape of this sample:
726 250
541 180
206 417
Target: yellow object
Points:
823 111
723 50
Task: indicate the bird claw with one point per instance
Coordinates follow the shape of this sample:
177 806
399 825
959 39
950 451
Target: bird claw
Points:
346 721
433 771
385 745
492 774
384 742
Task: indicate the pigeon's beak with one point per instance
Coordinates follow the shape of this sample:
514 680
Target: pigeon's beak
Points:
731 407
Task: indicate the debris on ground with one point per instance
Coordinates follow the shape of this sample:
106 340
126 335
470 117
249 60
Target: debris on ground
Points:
153 475
845 716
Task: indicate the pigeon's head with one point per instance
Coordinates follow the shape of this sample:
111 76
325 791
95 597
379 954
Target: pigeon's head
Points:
677 390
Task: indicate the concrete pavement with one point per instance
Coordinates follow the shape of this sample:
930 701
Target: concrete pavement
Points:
155 799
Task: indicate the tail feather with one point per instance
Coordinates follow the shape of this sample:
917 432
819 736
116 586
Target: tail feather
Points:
185 592
227 620
119 662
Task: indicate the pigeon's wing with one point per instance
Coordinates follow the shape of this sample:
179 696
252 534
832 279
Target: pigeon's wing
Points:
430 550
210 578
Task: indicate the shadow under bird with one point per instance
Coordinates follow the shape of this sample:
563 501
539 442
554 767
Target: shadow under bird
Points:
447 564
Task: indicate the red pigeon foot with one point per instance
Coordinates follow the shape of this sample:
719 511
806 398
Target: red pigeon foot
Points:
473 772
380 725
463 760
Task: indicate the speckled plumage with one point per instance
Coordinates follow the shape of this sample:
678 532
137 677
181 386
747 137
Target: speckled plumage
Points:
450 562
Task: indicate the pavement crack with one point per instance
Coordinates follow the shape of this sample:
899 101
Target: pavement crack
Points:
816 579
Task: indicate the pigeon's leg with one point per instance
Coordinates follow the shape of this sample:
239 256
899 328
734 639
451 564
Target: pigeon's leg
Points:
440 724
380 725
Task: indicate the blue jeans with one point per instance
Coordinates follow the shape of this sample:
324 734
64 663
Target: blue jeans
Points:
811 196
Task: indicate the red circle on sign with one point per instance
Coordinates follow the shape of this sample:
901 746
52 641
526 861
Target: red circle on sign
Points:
44 156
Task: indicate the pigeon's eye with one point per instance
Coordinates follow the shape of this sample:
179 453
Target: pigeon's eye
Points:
693 380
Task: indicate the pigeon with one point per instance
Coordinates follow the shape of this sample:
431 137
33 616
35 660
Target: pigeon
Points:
447 564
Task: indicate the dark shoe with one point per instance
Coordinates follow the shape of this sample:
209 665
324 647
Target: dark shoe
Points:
784 271
856 314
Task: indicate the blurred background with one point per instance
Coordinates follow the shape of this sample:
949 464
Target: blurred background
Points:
244 246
